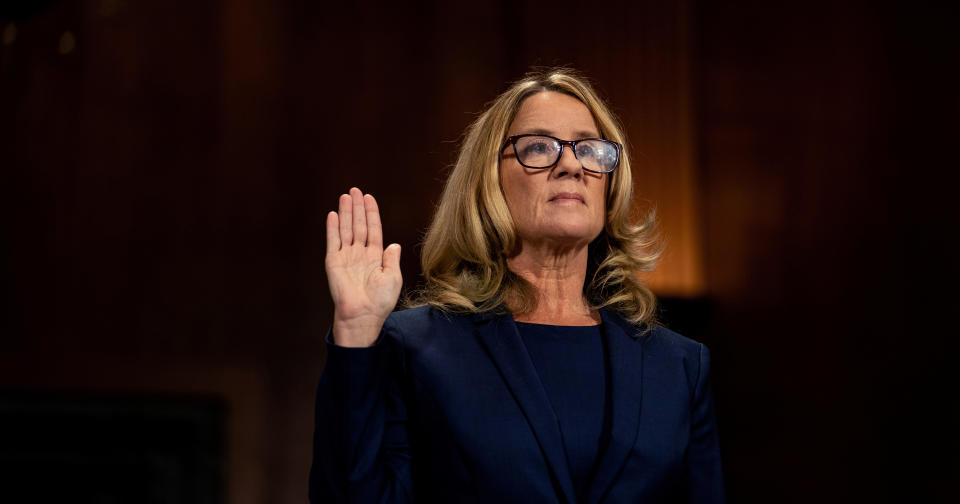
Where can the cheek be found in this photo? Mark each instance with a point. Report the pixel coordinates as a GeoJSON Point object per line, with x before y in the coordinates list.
{"type": "Point", "coordinates": [600, 196]}
{"type": "Point", "coordinates": [517, 190]}
{"type": "Point", "coordinates": [510, 190]}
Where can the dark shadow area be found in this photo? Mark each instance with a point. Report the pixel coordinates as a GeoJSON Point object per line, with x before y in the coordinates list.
{"type": "Point", "coordinates": [80, 448]}
{"type": "Point", "coordinates": [166, 169]}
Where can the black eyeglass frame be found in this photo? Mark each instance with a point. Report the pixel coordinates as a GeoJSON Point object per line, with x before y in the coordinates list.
{"type": "Point", "coordinates": [512, 140]}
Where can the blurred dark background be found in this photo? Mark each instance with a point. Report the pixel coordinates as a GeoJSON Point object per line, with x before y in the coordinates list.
{"type": "Point", "coordinates": [167, 166]}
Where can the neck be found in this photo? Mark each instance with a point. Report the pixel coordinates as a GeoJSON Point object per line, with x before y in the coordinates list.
{"type": "Point", "coordinates": [558, 276]}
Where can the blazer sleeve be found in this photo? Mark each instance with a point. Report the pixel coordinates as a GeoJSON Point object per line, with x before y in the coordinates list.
{"type": "Point", "coordinates": [360, 448]}
{"type": "Point", "coordinates": [705, 475]}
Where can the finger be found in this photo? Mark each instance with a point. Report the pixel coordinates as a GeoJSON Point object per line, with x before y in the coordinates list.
{"type": "Point", "coordinates": [391, 258]}
{"type": "Point", "coordinates": [374, 230]}
{"type": "Point", "coordinates": [346, 220]}
{"type": "Point", "coordinates": [333, 233]}
{"type": "Point", "coordinates": [359, 217]}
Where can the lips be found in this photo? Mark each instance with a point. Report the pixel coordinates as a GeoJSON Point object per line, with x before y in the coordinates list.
{"type": "Point", "coordinates": [567, 196]}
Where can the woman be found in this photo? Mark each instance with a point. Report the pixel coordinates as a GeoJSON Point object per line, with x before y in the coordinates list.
{"type": "Point", "coordinates": [531, 370]}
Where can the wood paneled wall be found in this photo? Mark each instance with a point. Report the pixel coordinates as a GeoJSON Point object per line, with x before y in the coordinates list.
{"type": "Point", "coordinates": [167, 168]}
{"type": "Point", "coordinates": [829, 249]}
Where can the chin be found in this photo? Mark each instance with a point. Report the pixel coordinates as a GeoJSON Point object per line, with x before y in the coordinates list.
{"type": "Point", "coordinates": [572, 234]}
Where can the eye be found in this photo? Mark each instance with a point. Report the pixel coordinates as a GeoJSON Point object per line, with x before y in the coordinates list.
{"type": "Point", "coordinates": [586, 150]}
{"type": "Point", "coordinates": [537, 147]}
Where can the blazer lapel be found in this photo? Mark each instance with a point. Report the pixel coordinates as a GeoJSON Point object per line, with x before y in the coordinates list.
{"type": "Point", "coordinates": [625, 382]}
{"type": "Point", "coordinates": [501, 338]}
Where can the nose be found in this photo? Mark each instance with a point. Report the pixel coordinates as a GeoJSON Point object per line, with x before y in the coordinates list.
{"type": "Point", "coordinates": [568, 164]}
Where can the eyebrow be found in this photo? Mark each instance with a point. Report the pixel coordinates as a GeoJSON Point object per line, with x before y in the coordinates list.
{"type": "Point", "coordinates": [577, 135]}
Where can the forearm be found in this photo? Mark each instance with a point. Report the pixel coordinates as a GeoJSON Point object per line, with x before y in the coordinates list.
{"type": "Point", "coordinates": [360, 447]}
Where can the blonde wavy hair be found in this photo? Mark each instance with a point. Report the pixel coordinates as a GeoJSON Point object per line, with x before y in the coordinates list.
{"type": "Point", "coordinates": [472, 233]}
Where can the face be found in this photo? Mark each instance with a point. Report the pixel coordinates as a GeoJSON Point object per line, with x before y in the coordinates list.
{"type": "Point", "coordinates": [562, 205]}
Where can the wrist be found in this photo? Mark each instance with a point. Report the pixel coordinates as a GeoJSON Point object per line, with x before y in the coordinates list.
{"type": "Point", "coordinates": [356, 333]}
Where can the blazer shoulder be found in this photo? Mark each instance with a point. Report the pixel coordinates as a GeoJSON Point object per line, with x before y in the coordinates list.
{"type": "Point", "coordinates": [667, 346]}
{"type": "Point", "coordinates": [408, 317]}
{"type": "Point", "coordinates": [656, 339]}
{"type": "Point", "coordinates": [419, 316]}
{"type": "Point", "coordinates": [669, 340]}
{"type": "Point", "coordinates": [415, 324]}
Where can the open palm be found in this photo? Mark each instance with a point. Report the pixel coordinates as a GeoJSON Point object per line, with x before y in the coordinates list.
{"type": "Point", "coordinates": [364, 277]}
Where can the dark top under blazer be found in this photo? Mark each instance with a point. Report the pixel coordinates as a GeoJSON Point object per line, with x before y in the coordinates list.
{"type": "Point", "coordinates": [449, 408]}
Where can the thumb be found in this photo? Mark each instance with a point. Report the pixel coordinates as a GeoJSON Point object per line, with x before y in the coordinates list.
{"type": "Point", "coordinates": [391, 257]}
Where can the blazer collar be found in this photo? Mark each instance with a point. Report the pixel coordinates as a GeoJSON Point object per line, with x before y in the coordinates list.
{"type": "Point", "coordinates": [502, 340]}
{"type": "Point", "coordinates": [625, 353]}
{"type": "Point", "coordinates": [499, 334]}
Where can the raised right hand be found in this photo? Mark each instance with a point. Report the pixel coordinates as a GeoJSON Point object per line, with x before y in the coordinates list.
{"type": "Point", "coordinates": [364, 278]}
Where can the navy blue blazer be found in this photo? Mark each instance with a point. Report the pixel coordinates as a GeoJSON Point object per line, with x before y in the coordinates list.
{"type": "Point", "coordinates": [449, 408]}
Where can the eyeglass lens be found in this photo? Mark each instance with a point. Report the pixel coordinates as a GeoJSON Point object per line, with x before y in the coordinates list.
{"type": "Point", "coordinates": [543, 151]}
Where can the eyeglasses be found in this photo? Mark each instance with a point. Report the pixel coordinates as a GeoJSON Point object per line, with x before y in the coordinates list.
{"type": "Point", "coordinates": [543, 151]}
